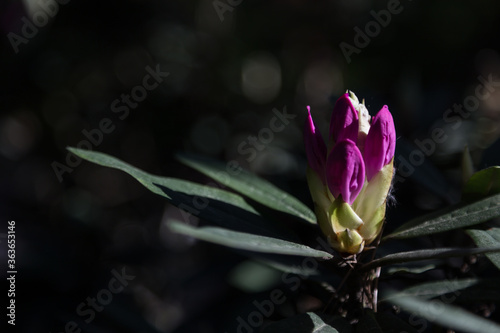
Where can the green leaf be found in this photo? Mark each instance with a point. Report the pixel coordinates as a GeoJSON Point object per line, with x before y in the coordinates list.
{"type": "Point", "coordinates": [446, 315]}
{"type": "Point", "coordinates": [397, 258]}
{"type": "Point", "coordinates": [310, 322]}
{"type": "Point", "coordinates": [298, 268]}
{"type": "Point", "coordinates": [433, 289]}
{"type": "Point", "coordinates": [250, 185]}
{"type": "Point", "coordinates": [151, 182]}
{"type": "Point", "coordinates": [458, 291]}
{"type": "Point", "coordinates": [487, 238]}
{"type": "Point", "coordinates": [410, 270]}
{"type": "Point", "coordinates": [248, 242]}
{"type": "Point", "coordinates": [212, 204]}
{"type": "Point", "coordinates": [482, 184]}
{"type": "Point", "coordinates": [449, 219]}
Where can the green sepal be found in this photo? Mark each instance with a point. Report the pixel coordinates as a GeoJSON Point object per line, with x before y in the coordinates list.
{"type": "Point", "coordinates": [317, 189]}
{"type": "Point", "coordinates": [374, 193]}
{"type": "Point", "coordinates": [349, 241]}
{"type": "Point", "coordinates": [372, 226]}
{"type": "Point", "coordinates": [343, 217]}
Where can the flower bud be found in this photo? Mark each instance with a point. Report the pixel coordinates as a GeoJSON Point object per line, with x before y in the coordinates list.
{"type": "Point", "coordinates": [350, 181]}
{"type": "Point", "coordinates": [380, 143]}
{"type": "Point", "coordinates": [344, 123]}
{"type": "Point", "coordinates": [345, 171]}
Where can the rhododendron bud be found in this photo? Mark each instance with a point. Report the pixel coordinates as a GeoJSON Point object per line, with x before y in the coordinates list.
{"type": "Point", "coordinates": [344, 123]}
{"type": "Point", "coordinates": [380, 142]}
{"type": "Point", "coordinates": [350, 181]}
{"type": "Point", "coordinates": [345, 171]}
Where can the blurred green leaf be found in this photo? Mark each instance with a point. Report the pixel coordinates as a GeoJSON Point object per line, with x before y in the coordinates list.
{"type": "Point", "coordinates": [482, 184]}
{"type": "Point", "coordinates": [487, 238]}
{"type": "Point", "coordinates": [427, 254]}
{"type": "Point", "coordinates": [310, 322]}
{"type": "Point", "coordinates": [433, 289]}
{"type": "Point", "coordinates": [446, 315]}
{"type": "Point", "coordinates": [449, 219]}
{"type": "Point", "coordinates": [245, 241]}
{"type": "Point", "coordinates": [253, 277]}
{"type": "Point", "coordinates": [250, 185]}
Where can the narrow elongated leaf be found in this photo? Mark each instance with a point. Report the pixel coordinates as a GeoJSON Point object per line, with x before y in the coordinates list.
{"type": "Point", "coordinates": [251, 186]}
{"type": "Point", "coordinates": [298, 269]}
{"type": "Point", "coordinates": [463, 291]}
{"type": "Point", "coordinates": [410, 270]}
{"type": "Point", "coordinates": [397, 258]}
{"type": "Point", "coordinates": [482, 184]}
{"type": "Point", "coordinates": [446, 315]}
{"type": "Point", "coordinates": [450, 218]}
{"type": "Point", "coordinates": [248, 242]}
{"type": "Point", "coordinates": [215, 205]}
{"type": "Point", "coordinates": [487, 238]}
{"type": "Point", "coordinates": [310, 322]}
{"type": "Point", "coordinates": [153, 183]}
{"type": "Point", "coordinates": [433, 289]}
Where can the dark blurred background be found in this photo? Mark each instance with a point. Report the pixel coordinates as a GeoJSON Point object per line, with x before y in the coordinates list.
{"type": "Point", "coordinates": [229, 64]}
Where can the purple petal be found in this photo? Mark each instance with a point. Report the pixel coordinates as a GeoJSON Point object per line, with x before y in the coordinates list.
{"type": "Point", "coordinates": [380, 142]}
{"type": "Point", "coordinates": [344, 123]}
{"type": "Point", "coordinates": [315, 147]}
{"type": "Point", "coordinates": [345, 171]}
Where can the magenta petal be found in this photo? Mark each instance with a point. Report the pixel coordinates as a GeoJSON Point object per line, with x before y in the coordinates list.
{"type": "Point", "coordinates": [315, 147]}
{"type": "Point", "coordinates": [380, 142]}
{"type": "Point", "coordinates": [344, 123]}
{"type": "Point", "coordinates": [345, 171]}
